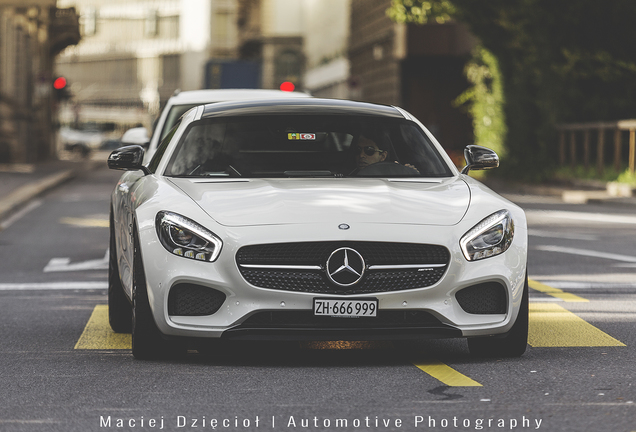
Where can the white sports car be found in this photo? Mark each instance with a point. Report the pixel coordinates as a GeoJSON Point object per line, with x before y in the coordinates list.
{"type": "Point", "coordinates": [311, 219]}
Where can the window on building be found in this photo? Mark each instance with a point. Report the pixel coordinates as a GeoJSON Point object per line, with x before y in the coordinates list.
{"type": "Point", "coordinates": [288, 65]}
{"type": "Point", "coordinates": [222, 26]}
{"type": "Point", "coordinates": [89, 21]}
{"type": "Point", "coordinates": [151, 23]}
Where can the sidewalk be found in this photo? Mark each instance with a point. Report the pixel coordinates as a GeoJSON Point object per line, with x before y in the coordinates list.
{"type": "Point", "coordinates": [573, 193]}
{"type": "Point", "coordinates": [20, 183]}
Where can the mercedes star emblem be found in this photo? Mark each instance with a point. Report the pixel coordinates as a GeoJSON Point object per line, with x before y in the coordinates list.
{"type": "Point", "coordinates": [345, 267]}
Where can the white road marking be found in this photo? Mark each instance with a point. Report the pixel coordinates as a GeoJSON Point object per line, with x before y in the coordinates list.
{"type": "Point", "coordinates": [53, 286]}
{"type": "Point", "coordinates": [544, 299]}
{"type": "Point", "coordinates": [586, 252]}
{"type": "Point", "coordinates": [588, 285]}
{"type": "Point", "coordinates": [64, 264]}
{"type": "Point", "coordinates": [561, 235]}
{"type": "Point", "coordinates": [581, 216]}
{"type": "Point", "coordinates": [20, 214]}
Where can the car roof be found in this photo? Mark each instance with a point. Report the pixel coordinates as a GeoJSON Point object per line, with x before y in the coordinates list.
{"type": "Point", "coordinates": [220, 95]}
{"type": "Point", "coordinates": [295, 106]}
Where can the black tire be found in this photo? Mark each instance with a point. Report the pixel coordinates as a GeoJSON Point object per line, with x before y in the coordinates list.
{"type": "Point", "coordinates": [119, 307]}
{"type": "Point", "coordinates": [513, 344]}
{"type": "Point", "coordinates": [147, 340]}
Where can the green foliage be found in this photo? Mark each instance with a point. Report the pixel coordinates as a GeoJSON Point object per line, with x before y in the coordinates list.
{"type": "Point", "coordinates": [420, 11]}
{"type": "Point", "coordinates": [627, 177]}
{"type": "Point", "coordinates": [609, 174]}
{"type": "Point", "coordinates": [484, 100]}
{"type": "Point", "coordinates": [560, 61]}
{"type": "Point", "coordinates": [565, 173]}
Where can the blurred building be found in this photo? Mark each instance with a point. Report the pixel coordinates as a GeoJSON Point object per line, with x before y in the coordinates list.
{"type": "Point", "coordinates": [271, 35]}
{"type": "Point", "coordinates": [417, 67]}
{"type": "Point", "coordinates": [32, 32]}
{"type": "Point", "coordinates": [135, 53]}
{"type": "Point", "coordinates": [326, 33]}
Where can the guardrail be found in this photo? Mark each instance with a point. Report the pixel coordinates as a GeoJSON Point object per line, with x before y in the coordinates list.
{"type": "Point", "coordinates": [599, 130]}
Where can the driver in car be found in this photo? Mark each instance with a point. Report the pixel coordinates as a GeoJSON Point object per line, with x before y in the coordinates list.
{"type": "Point", "coordinates": [368, 152]}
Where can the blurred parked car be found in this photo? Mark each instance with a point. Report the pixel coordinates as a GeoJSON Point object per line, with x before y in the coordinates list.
{"type": "Point", "coordinates": [80, 142]}
{"type": "Point", "coordinates": [136, 136]}
{"type": "Point", "coordinates": [110, 144]}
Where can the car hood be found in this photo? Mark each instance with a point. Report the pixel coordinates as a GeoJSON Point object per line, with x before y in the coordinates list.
{"type": "Point", "coordinates": [246, 202]}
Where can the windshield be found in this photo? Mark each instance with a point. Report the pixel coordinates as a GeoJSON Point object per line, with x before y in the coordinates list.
{"type": "Point", "coordinates": [173, 116]}
{"type": "Point", "coordinates": [305, 146]}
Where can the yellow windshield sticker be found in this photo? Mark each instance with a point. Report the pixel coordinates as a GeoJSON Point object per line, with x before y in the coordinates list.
{"type": "Point", "coordinates": [301, 136]}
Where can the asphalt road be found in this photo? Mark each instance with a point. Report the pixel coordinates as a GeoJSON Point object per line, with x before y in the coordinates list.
{"type": "Point", "coordinates": [61, 370]}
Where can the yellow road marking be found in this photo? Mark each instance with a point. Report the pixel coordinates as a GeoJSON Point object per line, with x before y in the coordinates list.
{"type": "Point", "coordinates": [555, 292]}
{"type": "Point", "coordinates": [98, 334]}
{"type": "Point", "coordinates": [446, 374]}
{"type": "Point", "coordinates": [551, 325]}
{"type": "Point", "coordinates": [99, 223]}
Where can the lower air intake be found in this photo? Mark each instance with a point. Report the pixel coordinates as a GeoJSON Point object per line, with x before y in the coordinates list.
{"type": "Point", "coordinates": [194, 300]}
{"type": "Point", "coordinates": [485, 298]}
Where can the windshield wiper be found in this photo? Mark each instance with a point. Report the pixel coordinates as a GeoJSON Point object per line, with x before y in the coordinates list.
{"type": "Point", "coordinates": [309, 173]}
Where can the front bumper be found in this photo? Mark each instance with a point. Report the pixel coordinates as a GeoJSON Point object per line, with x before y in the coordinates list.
{"type": "Point", "coordinates": [235, 318]}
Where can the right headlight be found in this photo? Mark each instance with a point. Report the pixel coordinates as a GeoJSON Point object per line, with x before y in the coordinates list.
{"type": "Point", "coordinates": [184, 237]}
{"type": "Point", "coordinates": [490, 237]}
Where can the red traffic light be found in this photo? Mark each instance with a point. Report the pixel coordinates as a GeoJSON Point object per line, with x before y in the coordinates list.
{"type": "Point", "coordinates": [59, 83]}
{"type": "Point", "coordinates": [287, 86]}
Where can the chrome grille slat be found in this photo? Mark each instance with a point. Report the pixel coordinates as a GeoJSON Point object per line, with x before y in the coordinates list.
{"type": "Point", "coordinates": [300, 267]}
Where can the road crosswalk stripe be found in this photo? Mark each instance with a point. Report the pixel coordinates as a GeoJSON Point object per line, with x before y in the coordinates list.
{"type": "Point", "coordinates": [88, 285]}
{"type": "Point", "coordinates": [446, 374]}
{"type": "Point", "coordinates": [98, 334]}
{"type": "Point", "coordinates": [85, 222]}
{"type": "Point", "coordinates": [551, 325]}
{"type": "Point", "coordinates": [555, 292]}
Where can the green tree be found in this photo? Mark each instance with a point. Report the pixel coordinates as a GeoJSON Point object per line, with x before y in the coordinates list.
{"type": "Point", "coordinates": [560, 61]}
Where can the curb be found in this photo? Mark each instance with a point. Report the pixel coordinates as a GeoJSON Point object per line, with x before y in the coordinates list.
{"type": "Point", "coordinates": [567, 195]}
{"type": "Point", "coordinates": [26, 193]}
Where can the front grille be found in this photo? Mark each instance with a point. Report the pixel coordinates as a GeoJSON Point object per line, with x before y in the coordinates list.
{"type": "Point", "coordinates": [306, 319]}
{"type": "Point", "coordinates": [485, 298]}
{"type": "Point", "coordinates": [379, 281]}
{"type": "Point", "coordinates": [194, 300]}
{"type": "Point", "coordinates": [316, 254]}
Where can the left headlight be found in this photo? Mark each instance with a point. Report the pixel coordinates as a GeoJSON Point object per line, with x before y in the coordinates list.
{"type": "Point", "coordinates": [490, 237]}
{"type": "Point", "coordinates": [184, 237]}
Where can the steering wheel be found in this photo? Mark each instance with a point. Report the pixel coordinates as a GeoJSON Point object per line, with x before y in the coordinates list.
{"type": "Point", "coordinates": [382, 169]}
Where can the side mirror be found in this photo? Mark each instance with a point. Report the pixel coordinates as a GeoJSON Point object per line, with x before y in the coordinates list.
{"type": "Point", "coordinates": [136, 136]}
{"type": "Point", "coordinates": [479, 158]}
{"type": "Point", "coordinates": [129, 158]}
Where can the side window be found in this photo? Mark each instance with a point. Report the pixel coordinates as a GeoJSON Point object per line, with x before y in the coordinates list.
{"type": "Point", "coordinates": [156, 158]}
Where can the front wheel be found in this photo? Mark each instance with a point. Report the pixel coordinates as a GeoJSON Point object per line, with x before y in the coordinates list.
{"type": "Point", "coordinates": [119, 309]}
{"type": "Point", "coordinates": [513, 344]}
{"type": "Point", "coordinates": [147, 341]}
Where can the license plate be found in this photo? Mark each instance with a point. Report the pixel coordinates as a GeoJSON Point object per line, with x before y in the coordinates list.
{"type": "Point", "coordinates": [345, 308]}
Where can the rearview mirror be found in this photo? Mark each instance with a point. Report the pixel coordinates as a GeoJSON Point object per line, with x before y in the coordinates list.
{"type": "Point", "coordinates": [479, 158]}
{"type": "Point", "coordinates": [129, 158]}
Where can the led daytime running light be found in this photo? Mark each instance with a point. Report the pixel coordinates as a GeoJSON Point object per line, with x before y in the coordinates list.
{"type": "Point", "coordinates": [186, 238]}
{"type": "Point", "coordinates": [490, 237]}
